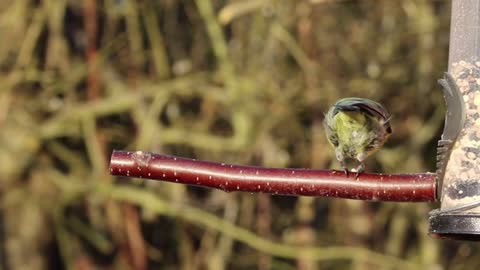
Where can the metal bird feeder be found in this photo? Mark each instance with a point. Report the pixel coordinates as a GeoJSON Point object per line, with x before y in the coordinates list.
{"type": "Point", "coordinates": [459, 148]}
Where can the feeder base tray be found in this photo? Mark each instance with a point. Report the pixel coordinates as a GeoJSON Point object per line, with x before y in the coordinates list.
{"type": "Point", "coordinates": [459, 226]}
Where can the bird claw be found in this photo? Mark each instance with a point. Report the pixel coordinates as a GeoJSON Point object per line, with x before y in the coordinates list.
{"type": "Point", "coordinates": [344, 167]}
{"type": "Point", "coordinates": [359, 170]}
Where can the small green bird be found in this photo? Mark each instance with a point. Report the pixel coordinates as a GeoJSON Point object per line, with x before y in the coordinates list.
{"type": "Point", "coordinates": [356, 128]}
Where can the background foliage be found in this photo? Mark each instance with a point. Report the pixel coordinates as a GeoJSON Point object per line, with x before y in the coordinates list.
{"type": "Point", "coordinates": [242, 82]}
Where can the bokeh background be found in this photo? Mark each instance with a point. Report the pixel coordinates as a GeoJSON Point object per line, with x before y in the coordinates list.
{"type": "Point", "coordinates": [244, 82]}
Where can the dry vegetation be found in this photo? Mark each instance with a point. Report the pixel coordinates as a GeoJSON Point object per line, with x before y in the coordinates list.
{"type": "Point", "coordinates": [244, 82]}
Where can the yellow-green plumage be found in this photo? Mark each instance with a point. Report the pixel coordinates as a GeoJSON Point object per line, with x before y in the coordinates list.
{"type": "Point", "coordinates": [356, 128]}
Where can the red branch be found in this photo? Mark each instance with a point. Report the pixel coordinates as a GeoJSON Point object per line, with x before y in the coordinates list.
{"type": "Point", "coordinates": [284, 181]}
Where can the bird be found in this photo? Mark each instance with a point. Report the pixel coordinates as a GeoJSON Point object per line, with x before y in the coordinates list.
{"type": "Point", "coordinates": [356, 128]}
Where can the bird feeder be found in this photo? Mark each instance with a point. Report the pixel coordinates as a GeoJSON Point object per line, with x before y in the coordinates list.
{"type": "Point", "coordinates": [459, 148]}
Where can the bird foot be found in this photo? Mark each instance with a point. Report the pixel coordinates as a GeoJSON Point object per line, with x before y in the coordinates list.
{"type": "Point", "coordinates": [359, 170]}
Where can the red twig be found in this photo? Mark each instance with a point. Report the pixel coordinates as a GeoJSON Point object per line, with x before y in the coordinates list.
{"type": "Point", "coordinates": [305, 182]}
{"type": "Point", "coordinates": [137, 246]}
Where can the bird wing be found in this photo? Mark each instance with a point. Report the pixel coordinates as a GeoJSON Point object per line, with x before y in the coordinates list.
{"type": "Point", "coordinates": [330, 127]}
{"type": "Point", "coordinates": [370, 107]}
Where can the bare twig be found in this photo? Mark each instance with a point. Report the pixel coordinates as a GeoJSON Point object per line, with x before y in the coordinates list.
{"type": "Point", "coordinates": [91, 29]}
{"type": "Point", "coordinates": [305, 182]}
